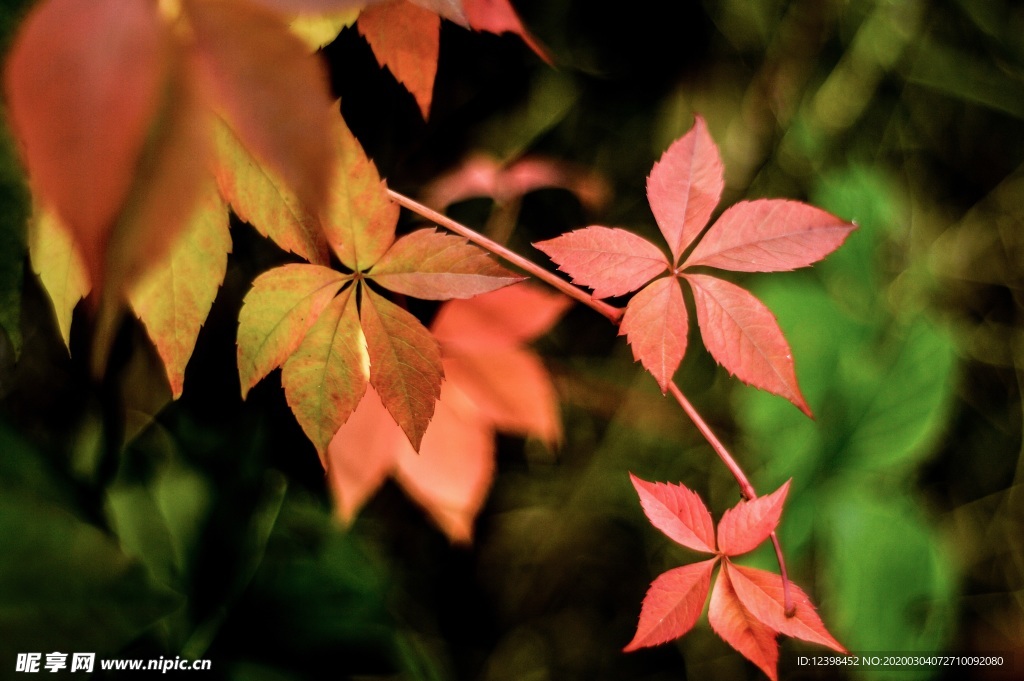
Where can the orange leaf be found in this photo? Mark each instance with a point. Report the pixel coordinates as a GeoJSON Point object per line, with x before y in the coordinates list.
{"type": "Point", "coordinates": [84, 81]}
{"type": "Point", "coordinates": [407, 40]}
{"type": "Point", "coordinates": [276, 314]}
{"type": "Point", "coordinates": [173, 299]}
{"type": "Point", "coordinates": [271, 91]}
{"type": "Point", "coordinates": [325, 378]}
{"type": "Point", "coordinates": [739, 628]}
{"type": "Point", "coordinates": [405, 363]}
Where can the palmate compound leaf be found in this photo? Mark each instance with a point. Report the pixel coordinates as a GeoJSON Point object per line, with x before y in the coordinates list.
{"type": "Point", "coordinates": [405, 363]}
{"type": "Point", "coordinates": [738, 627]}
{"type": "Point", "coordinates": [656, 324]}
{"type": "Point", "coordinates": [611, 261]}
{"type": "Point", "coordinates": [174, 297]}
{"type": "Point", "coordinates": [434, 265]}
{"type": "Point", "coordinates": [744, 337]}
{"type": "Point", "coordinates": [673, 604]}
{"type": "Point", "coordinates": [405, 38]}
{"type": "Point", "coordinates": [678, 512]}
{"type": "Point", "coordinates": [750, 522]}
{"type": "Point", "coordinates": [325, 378]}
{"type": "Point", "coordinates": [276, 314]}
{"type": "Point", "coordinates": [83, 83]}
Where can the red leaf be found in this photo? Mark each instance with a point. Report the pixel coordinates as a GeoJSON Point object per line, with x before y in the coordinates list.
{"type": "Point", "coordinates": [276, 314]}
{"type": "Point", "coordinates": [655, 323]}
{"type": "Point", "coordinates": [498, 16]}
{"type": "Point", "coordinates": [407, 40]}
{"type": "Point", "coordinates": [769, 236]}
{"type": "Point", "coordinates": [449, 9]}
{"type": "Point", "coordinates": [613, 262]}
{"type": "Point", "coordinates": [678, 512]}
{"type": "Point", "coordinates": [672, 604]}
{"type": "Point", "coordinates": [747, 524]}
{"type": "Point", "coordinates": [273, 94]}
{"type": "Point", "coordinates": [739, 628]}
{"type": "Point", "coordinates": [434, 265]}
{"type": "Point", "coordinates": [324, 379]}
{"type": "Point", "coordinates": [743, 336]}
{"type": "Point", "coordinates": [684, 187]}
{"type": "Point", "coordinates": [761, 593]}
{"type": "Point", "coordinates": [505, 318]}
{"type": "Point", "coordinates": [83, 83]}
{"type": "Point", "coordinates": [405, 363]}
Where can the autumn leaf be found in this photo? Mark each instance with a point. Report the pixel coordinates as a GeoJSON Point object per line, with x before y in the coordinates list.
{"type": "Point", "coordinates": [673, 604]}
{"type": "Point", "coordinates": [433, 265]}
{"type": "Point", "coordinates": [678, 512]}
{"type": "Point", "coordinates": [324, 379]}
{"type": "Point", "coordinates": [498, 16]}
{"type": "Point", "coordinates": [747, 605]}
{"type": "Point", "coordinates": [738, 627]}
{"type": "Point", "coordinates": [765, 235]}
{"type": "Point", "coordinates": [451, 474]}
{"type": "Point", "coordinates": [406, 39]}
{"type": "Point", "coordinates": [656, 325]}
{"type": "Point", "coordinates": [56, 260]}
{"type": "Point", "coordinates": [174, 298]}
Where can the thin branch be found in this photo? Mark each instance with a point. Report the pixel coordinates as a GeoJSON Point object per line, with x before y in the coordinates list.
{"type": "Point", "coordinates": [614, 315]}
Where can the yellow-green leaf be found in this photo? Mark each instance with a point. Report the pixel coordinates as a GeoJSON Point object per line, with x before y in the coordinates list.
{"type": "Point", "coordinates": [174, 298]}
{"type": "Point", "coordinates": [325, 378]}
{"type": "Point", "coordinates": [318, 30]}
{"type": "Point", "coordinates": [276, 314]}
{"type": "Point", "coordinates": [60, 267]}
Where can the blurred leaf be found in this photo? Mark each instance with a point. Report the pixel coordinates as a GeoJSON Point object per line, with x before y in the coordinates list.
{"type": "Point", "coordinates": [14, 202]}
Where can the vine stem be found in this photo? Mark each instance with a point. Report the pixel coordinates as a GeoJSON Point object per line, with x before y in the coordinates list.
{"type": "Point", "coordinates": [614, 315]}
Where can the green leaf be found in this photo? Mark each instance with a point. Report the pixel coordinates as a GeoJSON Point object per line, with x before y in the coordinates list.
{"type": "Point", "coordinates": [405, 364]}
{"type": "Point", "coordinates": [326, 376]}
{"type": "Point", "coordinates": [276, 314]}
{"type": "Point", "coordinates": [433, 265]}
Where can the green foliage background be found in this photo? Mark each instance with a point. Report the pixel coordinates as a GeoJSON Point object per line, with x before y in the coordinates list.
{"type": "Point", "coordinates": [136, 528]}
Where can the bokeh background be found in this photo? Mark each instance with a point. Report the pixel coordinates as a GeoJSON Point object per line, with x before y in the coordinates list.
{"type": "Point", "coordinates": [211, 534]}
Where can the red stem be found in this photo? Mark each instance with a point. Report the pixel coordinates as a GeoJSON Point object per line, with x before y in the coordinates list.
{"type": "Point", "coordinates": [614, 315]}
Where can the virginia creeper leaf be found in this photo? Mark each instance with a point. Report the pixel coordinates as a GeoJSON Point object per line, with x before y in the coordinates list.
{"type": "Point", "coordinates": [55, 258]}
{"type": "Point", "coordinates": [498, 16]}
{"type": "Point", "coordinates": [325, 378]}
{"type": "Point", "coordinates": [433, 265]}
{"type": "Point", "coordinates": [276, 314]}
{"type": "Point", "coordinates": [761, 593]}
{"type": "Point", "coordinates": [744, 526]}
{"type": "Point", "coordinates": [769, 235]}
{"type": "Point", "coordinates": [743, 336]}
{"type": "Point", "coordinates": [173, 299]}
{"type": "Point", "coordinates": [360, 219]}
{"type": "Point", "coordinates": [678, 512]}
{"type": "Point", "coordinates": [611, 261]}
{"type": "Point", "coordinates": [407, 40]}
{"type": "Point", "coordinates": [272, 93]}
{"type": "Point", "coordinates": [83, 83]}
{"type": "Point", "coordinates": [655, 323]}
{"type": "Point", "coordinates": [509, 387]}
{"type": "Point", "coordinates": [405, 363]}
{"type": "Point", "coordinates": [739, 628]}
{"type": "Point", "coordinates": [505, 318]}
{"type": "Point", "coordinates": [684, 187]}
{"type": "Point", "coordinates": [673, 604]}
{"type": "Point", "coordinates": [260, 197]}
